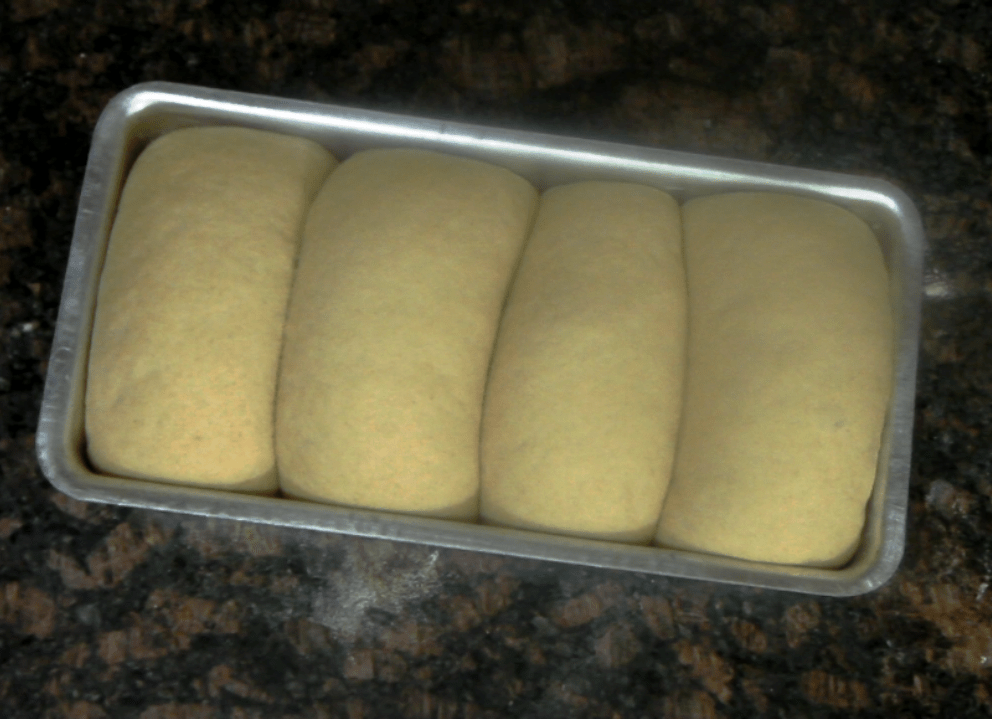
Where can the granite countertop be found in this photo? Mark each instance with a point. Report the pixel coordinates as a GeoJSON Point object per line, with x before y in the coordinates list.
{"type": "Point", "coordinates": [108, 612]}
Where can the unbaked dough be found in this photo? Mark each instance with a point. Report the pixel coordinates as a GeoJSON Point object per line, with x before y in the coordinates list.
{"type": "Point", "coordinates": [582, 407]}
{"type": "Point", "coordinates": [404, 268]}
{"type": "Point", "coordinates": [185, 346]}
{"type": "Point", "coordinates": [790, 364]}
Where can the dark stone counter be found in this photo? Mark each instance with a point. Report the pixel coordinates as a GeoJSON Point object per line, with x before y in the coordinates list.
{"type": "Point", "coordinates": [107, 612]}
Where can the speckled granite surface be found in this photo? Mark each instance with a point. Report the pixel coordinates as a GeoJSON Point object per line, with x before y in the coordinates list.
{"type": "Point", "coordinates": [115, 613]}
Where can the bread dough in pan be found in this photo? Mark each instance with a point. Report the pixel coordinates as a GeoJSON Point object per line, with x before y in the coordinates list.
{"type": "Point", "coordinates": [404, 268]}
{"type": "Point", "coordinates": [789, 375]}
{"type": "Point", "coordinates": [187, 333]}
{"type": "Point", "coordinates": [582, 408]}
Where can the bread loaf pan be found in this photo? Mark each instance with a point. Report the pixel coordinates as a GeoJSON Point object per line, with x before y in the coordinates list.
{"type": "Point", "coordinates": [143, 112]}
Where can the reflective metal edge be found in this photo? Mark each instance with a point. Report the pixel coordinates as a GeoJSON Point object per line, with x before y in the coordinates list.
{"type": "Point", "coordinates": [145, 111]}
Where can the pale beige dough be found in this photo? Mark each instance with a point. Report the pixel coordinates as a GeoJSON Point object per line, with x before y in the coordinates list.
{"type": "Point", "coordinates": [790, 364]}
{"type": "Point", "coordinates": [404, 268]}
{"type": "Point", "coordinates": [185, 347]}
{"type": "Point", "coordinates": [582, 407]}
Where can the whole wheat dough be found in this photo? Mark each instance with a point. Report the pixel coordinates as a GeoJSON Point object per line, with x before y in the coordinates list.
{"type": "Point", "coordinates": [790, 363]}
{"type": "Point", "coordinates": [582, 407]}
{"type": "Point", "coordinates": [404, 267]}
{"type": "Point", "coordinates": [186, 338]}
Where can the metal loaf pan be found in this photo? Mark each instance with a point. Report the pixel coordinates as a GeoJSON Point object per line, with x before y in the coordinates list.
{"type": "Point", "coordinates": [143, 112]}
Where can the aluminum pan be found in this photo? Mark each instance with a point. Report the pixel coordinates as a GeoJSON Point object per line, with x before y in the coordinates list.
{"type": "Point", "coordinates": [143, 112]}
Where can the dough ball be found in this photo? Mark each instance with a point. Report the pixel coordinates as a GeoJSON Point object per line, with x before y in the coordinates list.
{"type": "Point", "coordinates": [582, 408]}
{"type": "Point", "coordinates": [789, 375]}
{"type": "Point", "coordinates": [188, 327]}
{"type": "Point", "coordinates": [404, 269]}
